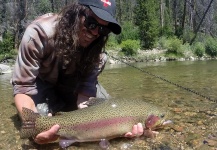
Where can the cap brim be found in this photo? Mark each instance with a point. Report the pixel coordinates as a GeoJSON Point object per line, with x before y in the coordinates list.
{"type": "Point", "coordinates": [104, 15]}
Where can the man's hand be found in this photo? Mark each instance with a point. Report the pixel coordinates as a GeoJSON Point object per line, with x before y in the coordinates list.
{"type": "Point", "coordinates": [136, 131]}
{"type": "Point", "coordinates": [82, 105]}
{"type": "Point", "coordinates": [82, 99]}
{"type": "Point", "coordinates": [47, 136]}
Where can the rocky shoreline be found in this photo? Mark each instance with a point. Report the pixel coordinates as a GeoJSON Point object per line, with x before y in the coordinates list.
{"type": "Point", "coordinates": [154, 55]}
{"type": "Point", "coordinates": [5, 69]}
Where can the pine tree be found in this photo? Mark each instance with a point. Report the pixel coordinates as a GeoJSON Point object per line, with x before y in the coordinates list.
{"type": "Point", "coordinates": [167, 27]}
{"type": "Point", "coordinates": [147, 19]}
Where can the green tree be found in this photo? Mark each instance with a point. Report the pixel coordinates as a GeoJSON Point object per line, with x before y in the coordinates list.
{"type": "Point", "coordinates": [7, 45]}
{"type": "Point", "coordinates": [211, 47]}
{"type": "Point", "coordinates": [147, 19]}
{"type": "Point", "coordinates": [44, 6]}
{"type": "Point", "coordinates": [129, 32]}
{"type": "Point", "coordinates": [167, 25]}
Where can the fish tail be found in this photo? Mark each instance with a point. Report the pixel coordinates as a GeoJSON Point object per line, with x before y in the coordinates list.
{"type": "Point", "coordinates": [28, 123]}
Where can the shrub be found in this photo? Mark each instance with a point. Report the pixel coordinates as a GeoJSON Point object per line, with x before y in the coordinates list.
{"type": "Point", "coordinates": [7, 45]}
{"type": "Point", "coordinates": [187, 35]}
{"type": "Point", "coordinates": [186, 50]}
{"type": "Point", "coordinates": [199, 49]}
{"type": "Point", "coordinates": [130, 47]}
{"type": "Point", "coordinates": [112, 42]}
{"type": "Point", "coordinates": [211, 47]}
{"type": "Point", "coordinates": [162, 42]}
{"type": "Point", "coordinates": [174, 47]}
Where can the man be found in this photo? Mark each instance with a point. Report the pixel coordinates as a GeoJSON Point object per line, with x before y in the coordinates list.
{"type": "Point", "coordinates": [59, 59]}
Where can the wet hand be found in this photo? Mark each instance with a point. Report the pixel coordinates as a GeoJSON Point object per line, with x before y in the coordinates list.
{"type": "Point", "coordinates": [137, 130]}
{"type": "Point", "coordinates": [82, 105]}
{"type": "Point", "coordinates": [81, 101]}
{"type": "Point", "coordinates": [47, 136]}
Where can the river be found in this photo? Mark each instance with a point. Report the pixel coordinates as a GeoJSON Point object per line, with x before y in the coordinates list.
{"type": "Point", "coordinates": [194, 120]}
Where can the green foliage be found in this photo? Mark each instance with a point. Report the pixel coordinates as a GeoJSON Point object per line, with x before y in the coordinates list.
{"type": "Point", "coordinates": [7, 45]}
{"type": "Point", "coordinates": [167, 29]}
{"type": "Point", "coordinates": [130, 47]}
{"type": "Point", "coordinates": [199, 49]}
{"type": "Point", "coordinates": [112, 42]}
{"type": "Point", "coordinates": [186, 50]}
{"type": "Point", "coordinates": [211, 47]}
{"type": "Point", "coordinates": [188, 35]}
{"type": "Point", "coordinates": [174, 47]}
{"type": "Point", "coordinates": [162, 43]}
{"type": "Point", "coordinates": [43, 6]}
{"type": "Point", "coordinates": [129, 32]}
{"type": "Point", "coordinates": [147, 19]}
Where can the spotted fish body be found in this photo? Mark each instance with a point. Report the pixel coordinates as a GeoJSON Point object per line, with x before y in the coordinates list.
{"type": "Point", "coordinates": [106, 120]}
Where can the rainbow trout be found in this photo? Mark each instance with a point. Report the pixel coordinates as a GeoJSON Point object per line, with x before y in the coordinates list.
{"type": "Point", "coordinates": [105, 120]}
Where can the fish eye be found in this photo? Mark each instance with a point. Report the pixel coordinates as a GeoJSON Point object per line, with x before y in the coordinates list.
{"type": "Point", "coordinates": [162, 115]}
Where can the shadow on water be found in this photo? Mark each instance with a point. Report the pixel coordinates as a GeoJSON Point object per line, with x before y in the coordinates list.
{"type": "Point", "coordinates": [31, 145]}
{"type": "Point", "coordinates": [17, 121]}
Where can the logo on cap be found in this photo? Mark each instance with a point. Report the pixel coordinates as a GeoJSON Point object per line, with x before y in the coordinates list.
{"type": "Point", "coordinates": [106, 3]}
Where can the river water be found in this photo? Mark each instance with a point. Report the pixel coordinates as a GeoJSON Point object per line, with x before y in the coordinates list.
{"type": "Point", "coordinates": [194, 117]}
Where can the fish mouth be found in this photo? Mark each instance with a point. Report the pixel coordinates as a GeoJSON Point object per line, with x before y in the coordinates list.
{"type": "Point", "coordinates": [155, 122]}
{"type": "Point", "coordinates": [166, 122]}
{"type": "Point", "coordinates": [163, 123]}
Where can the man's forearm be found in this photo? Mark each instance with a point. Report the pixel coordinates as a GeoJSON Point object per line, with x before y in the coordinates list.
{"type": "Point", "coordinates": [23, 100]}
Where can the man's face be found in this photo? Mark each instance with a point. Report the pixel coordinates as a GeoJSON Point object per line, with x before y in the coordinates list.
{"type": "Point", "coordinates": [87, 36]}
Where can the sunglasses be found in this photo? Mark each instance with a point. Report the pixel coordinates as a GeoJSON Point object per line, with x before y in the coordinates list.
{"type": "Point", "coordinates": [91, 24]}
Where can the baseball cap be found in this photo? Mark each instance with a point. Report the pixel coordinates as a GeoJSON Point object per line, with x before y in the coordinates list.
{"type": "Point", "coordinates": [105, 10]}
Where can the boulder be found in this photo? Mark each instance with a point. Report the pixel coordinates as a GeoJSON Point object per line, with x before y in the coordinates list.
{"type": "Point", "coordinates": [5, 69]}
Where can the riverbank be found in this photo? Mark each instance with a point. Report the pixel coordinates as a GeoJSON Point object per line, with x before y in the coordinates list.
{"type": "Point", "coordinates": [154, 55]}
{"type": "Point", "coordinates": [6, 65]}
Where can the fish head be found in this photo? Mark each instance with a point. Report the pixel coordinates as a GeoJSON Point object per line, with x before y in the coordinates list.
{"type": "Point", "coordinates": [155, 121]}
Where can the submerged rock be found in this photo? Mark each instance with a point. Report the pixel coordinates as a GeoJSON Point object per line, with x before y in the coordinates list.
{"type": "Point", "coordinates": [5, 69]}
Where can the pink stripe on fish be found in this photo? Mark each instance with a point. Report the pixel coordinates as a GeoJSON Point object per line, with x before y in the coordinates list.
{"type": "Point", "coordinates": [102, 123]}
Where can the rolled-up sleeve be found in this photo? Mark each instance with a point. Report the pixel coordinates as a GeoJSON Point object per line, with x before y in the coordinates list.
{"type": "Point", "coordinates": [87, 86]}
{"type": "Point", "coordinates": [27, 65]}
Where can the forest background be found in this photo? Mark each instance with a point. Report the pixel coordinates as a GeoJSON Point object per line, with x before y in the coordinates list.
{"type": "Point", "coordinates": [178, 28]}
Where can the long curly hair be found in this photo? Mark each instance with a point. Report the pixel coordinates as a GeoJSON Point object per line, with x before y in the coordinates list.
{"type": "Point", "coordinates": [66, 40]}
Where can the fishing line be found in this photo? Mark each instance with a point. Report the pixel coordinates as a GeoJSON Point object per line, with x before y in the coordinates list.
{"type": "Point", "coordinates": [168, 81]}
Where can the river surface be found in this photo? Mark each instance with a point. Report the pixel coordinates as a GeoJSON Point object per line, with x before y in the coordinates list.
{"type": "Point", "coordinates": [194, 117]}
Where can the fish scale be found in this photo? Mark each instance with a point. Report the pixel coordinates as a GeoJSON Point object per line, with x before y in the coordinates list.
{"type": "Point", "coordinates": [106, 120]}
